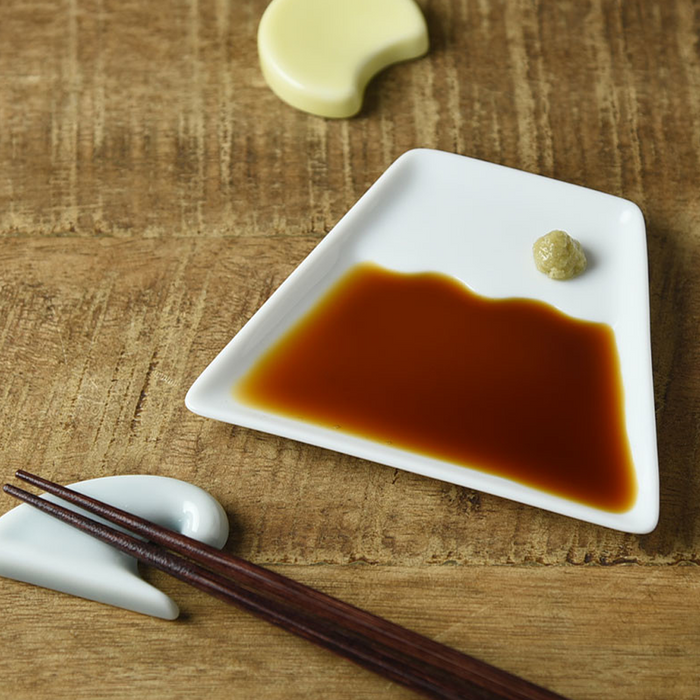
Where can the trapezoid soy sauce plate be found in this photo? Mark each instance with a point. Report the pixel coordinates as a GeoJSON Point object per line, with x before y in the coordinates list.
{"type": "Point", "coordinates": [475, 222]}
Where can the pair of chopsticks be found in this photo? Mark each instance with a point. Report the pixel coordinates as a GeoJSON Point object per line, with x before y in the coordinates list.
{"type": "Point", "coordinates": [370, 641]}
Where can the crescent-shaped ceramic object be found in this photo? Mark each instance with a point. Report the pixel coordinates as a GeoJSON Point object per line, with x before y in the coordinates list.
{"type": "Point", "coordinates": [36, 548]}
{"type": "Point", "coordinates": [319, 55]}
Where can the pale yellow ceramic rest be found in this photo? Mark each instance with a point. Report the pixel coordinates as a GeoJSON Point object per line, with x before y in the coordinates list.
{"type": "Point", "coordinates": [319, 55]}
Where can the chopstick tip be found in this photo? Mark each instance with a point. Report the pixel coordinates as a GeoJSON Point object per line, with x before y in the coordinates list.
{"type": "Point", "coordinates": [30, 478]}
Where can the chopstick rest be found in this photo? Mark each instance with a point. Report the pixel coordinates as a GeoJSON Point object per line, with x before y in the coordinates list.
{"type": "Point", "coordinates": [319, 55]}
{"type": "Point", "coordinates": [370, 641]}
{"type": "Point", "coordinates": [35, 550]}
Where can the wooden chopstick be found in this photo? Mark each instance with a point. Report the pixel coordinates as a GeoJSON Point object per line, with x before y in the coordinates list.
{"type": "Point", "coordinates": [371, 657]}
{"type": "Point", "coordinates": [399, 670]}
{"type": "Point", "coordinates": [263, 580]}
{"type": "Point", "coordinates": [367, 639]}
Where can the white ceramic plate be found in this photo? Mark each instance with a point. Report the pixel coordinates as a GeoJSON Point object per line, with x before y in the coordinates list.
{"type": "Point", "coordinates": [475, 221]}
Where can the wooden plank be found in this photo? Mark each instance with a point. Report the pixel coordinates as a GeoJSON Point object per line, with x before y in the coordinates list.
{"type": "Point", "coordinates": [130, 119]}
{"type": "Point", "coordinates": [587, 632]}
{"type": "Point", "coordinates": [102, 338]}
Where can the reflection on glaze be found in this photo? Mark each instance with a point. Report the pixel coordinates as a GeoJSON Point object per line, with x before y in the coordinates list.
{"type": "Point", "coordinates": [37, 549]}
{"type": "Point", "coordinates": [319, 55]}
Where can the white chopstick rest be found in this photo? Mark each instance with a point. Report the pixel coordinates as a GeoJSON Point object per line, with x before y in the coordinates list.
{"type": "Point", "coordinates": [36, 549]}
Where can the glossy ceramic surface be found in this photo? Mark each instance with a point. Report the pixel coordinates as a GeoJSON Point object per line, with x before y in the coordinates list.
{"type": "Point", "coordinates": [36, 548]}
{"type": "Point", "coordinates": [474, 221]}
{"type": "Point", "coordinates": [319, 55]}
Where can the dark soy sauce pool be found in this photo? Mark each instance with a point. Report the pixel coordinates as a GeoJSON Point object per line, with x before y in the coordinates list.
{"type": "Point", "coordinates": [512, 387]}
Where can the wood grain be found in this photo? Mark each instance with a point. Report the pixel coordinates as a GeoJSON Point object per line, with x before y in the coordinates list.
{"type": "Point", "coordinates": [154, 192]}
{"type": "Point", "coordinates": [103, 337]}
{"type": "Point", "coordinates": [566, 628]}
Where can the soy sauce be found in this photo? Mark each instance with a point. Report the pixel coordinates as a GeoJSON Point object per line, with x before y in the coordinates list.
{"type": "Point", "coordinates": [512, 387]}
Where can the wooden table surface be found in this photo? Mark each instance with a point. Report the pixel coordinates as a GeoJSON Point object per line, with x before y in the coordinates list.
{"type": "Point", "coordinates": [154, 192]}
